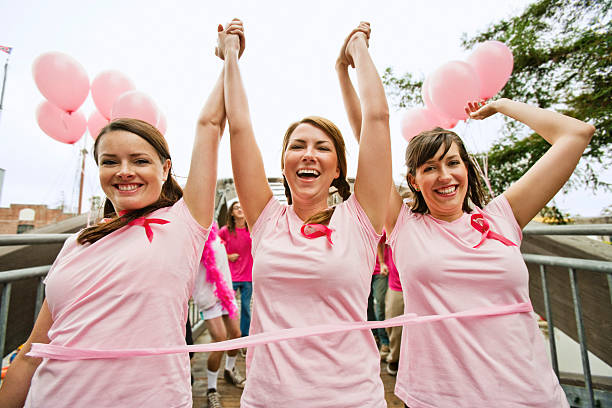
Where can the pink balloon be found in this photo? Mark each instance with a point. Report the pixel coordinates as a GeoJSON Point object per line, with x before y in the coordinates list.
{"type": "Point", "coordinates": [425, 94]}
{"type": "Point", "coordinates": [61, 79]}
{"type": "Point", "coordinates": [60, 125]}
{"type": "Point", "coordinates": [441, 120]}
{"type": "Point", "coordinates": [493, 62]}
{"type": "Point", "coordinates": [95, 123]}
{"type": "Point", "coordinates": [417, 120]}
{"type": "Point", "coordinates": [451, 87]}
{"type": "Point", "coordinates": [162, 125]}
{"type": "Point", "coordinates": [106, 87]}
{"type": "Point", "coordinates": [135, 105]}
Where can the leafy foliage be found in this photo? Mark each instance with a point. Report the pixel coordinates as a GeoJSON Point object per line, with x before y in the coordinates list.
{"type": "Point", "coordinates": [562, 60]}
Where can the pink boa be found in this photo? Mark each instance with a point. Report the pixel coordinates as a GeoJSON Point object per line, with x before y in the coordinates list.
{"type": "Point", "coordinates": [213, 275]}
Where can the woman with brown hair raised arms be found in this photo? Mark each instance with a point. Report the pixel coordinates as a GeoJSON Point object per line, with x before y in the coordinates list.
{"type": "Point", "coordinates": [312, 263]}
{"type": "Point", "coordinates": [456, 251]}
{"type": "Point", "coordinates": [125, 283]}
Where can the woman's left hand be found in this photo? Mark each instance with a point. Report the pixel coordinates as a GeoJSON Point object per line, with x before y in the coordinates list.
{"type": "Point", "coordinates": [481, 109]}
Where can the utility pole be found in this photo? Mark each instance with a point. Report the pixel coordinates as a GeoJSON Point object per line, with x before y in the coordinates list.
{"type": "Point", "coordinates": [83, 154]}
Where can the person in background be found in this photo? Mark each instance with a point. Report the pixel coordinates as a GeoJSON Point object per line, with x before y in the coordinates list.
{"type": "Point", "coordinates": [376, 300]}
{"type": "Point", "coordinates": [394, 306]}
{"type": "Point", "coordinates": [237, 240]}
{"type": "Point", "coordinates": [214, 297]}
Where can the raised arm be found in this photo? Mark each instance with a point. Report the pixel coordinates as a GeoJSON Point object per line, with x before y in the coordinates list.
{"type": "Point", "coordinates": [568, 137]}
{"type": "Point", "coordinates": [16, 385]}
{"type": "Point", "coordinates": [247, 164]}
{"type": "Point", "coordinates": [369, 119]}
{"type": "Point", "coordinates": [199, 191]}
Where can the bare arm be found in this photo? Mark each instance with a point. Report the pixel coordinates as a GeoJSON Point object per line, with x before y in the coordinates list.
{"type": "Point", "coordinates": [247, 164]}
{"type": "Point", "coordinates": [368, 115]}
{"type": "Point", "coordinates": [569, 138]}
{"type": "Point", "coordinates": [353, 110]}
{"type": "Point", "coordinates": [16, 385]}
{"type": "Point", "coordinates": [199, 192]}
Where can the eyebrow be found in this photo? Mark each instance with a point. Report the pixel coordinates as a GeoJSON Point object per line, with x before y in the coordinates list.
{"type": "Point", "coordinates": [131, 155]}
{"type": "Point", "coordinates": [454, 156]}
{"type": "Point", "coordinates": [318, 142]}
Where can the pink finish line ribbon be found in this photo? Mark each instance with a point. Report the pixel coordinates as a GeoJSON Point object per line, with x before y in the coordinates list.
{"type": "Point", "coordinates": [481, 224]}
{"type": "Point", "coordinates": [144, 222]}
{"type": "Point", "coordinates": [312, 231]}
{"type": "Point", "coordinates": [71, 353]}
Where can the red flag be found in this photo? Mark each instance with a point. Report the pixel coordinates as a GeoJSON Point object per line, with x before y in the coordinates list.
{"type": "Point", "coordinates": [6, 49]}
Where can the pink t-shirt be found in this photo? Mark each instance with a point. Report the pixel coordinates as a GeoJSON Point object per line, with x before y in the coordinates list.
{"type": "Point", "coordinates": [300, 282]}
{"type": "Point", "coordinates": [479, 362]}
{"type": "Point", "coordinates": [122, 292]}
{"type": "Point", "coordinates": [239, 242]}
{"type": "Point", "coordinates": [394, 280]}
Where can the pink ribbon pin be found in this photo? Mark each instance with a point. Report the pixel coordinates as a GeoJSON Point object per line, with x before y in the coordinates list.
{"type": "Point", "coordinates": [481, 224]}
{"type": "Point", "coordinates": [312, 231]}
{"type": "Point", "coordinates": [144, 222]}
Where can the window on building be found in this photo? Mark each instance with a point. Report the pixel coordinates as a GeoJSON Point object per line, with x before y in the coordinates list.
{"type": "Point", "coordinates": [21, 228]}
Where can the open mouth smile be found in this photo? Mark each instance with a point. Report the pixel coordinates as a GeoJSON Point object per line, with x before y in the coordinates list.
{"type": "Point", "coordinates": [127, 187]}
{"type": "Point", "coordinates": [308, 174]}
{"type": "Point", "coordinates": [447, 191]}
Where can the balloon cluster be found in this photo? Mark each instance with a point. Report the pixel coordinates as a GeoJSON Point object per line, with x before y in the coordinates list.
{"type": "Point", "coordinates": [65, 84]}
{"type": "Point", "coordinates": [448, 89]}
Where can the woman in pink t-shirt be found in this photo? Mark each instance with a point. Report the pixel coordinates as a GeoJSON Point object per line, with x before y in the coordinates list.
{"type": "Point", "coordinates": [490, 361]}
{"type": "Point", "coordinates": [455, 252]}
{"type": "Point", "coordinates": [237, 240]}
{"type": "Point", "coordinates": [312, 264]}
{"type": "Point", "coordinates": [126, 282]}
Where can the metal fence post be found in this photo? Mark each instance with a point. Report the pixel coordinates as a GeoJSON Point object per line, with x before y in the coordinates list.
{"type": "Point", "coordinates": [581, 336]}
{"type": "Point", "coordinates": [4, 308]}
{"type": "Point", "coordinates": [549, 319]}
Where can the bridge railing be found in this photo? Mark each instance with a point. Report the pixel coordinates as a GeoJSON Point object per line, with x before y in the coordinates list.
{"type": "Point", "coordinates": [578, 397]}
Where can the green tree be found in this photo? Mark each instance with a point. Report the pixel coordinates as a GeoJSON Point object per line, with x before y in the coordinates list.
{"type": "Point", "coordinates": [562, 60]}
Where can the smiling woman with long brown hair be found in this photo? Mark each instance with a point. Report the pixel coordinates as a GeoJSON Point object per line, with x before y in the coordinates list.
{"type": "Point", "coordinates": [126, 282]}
{"type": "Point", "coordinates": [312, 263]}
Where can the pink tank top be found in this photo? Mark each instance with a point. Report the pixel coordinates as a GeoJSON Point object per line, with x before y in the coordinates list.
{"type": "Point", "coordinates": [301, 282]}
{"type": "Point", "coordinates": [122, 292]}
{"type": "Point", "coordinates": [498, 361]}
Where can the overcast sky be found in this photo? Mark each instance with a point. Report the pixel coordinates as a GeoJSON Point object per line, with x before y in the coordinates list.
{"type": "Point", "coordinates": [166, 48]}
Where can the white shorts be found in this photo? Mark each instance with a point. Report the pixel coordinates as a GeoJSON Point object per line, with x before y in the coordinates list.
{"type": "Point", "coordinates": [215, 311]}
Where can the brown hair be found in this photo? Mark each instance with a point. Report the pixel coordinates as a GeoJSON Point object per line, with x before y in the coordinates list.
{"type": "Point", "coordinates": [341, 184]}
{"type": "Point", "coordinates": [231, 222]}
{"type": "Point", "coordinates": [171, 192]}
{"type": "Point", "coordinates": [423, 147]}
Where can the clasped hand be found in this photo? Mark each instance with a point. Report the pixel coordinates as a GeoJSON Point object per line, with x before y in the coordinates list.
{"type": "Point", "coordinates": [230, 38]}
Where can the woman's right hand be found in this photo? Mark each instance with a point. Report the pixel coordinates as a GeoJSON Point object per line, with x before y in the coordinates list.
{"type": "Point", "coordinates": [233, 257]}
{"type": "Point", "coordinates": [230, 38]}
{"type": "Point", "coordinates": [344, 59]}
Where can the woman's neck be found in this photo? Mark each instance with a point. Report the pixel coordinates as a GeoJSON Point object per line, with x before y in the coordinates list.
{"type": "Point", "coordinates": [240, 223]}
{"type": "Point", "coordinates": [306, 210]}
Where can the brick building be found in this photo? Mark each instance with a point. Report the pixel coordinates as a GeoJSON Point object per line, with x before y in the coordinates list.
{"type": "Point", "coordinates": [19, 218]}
